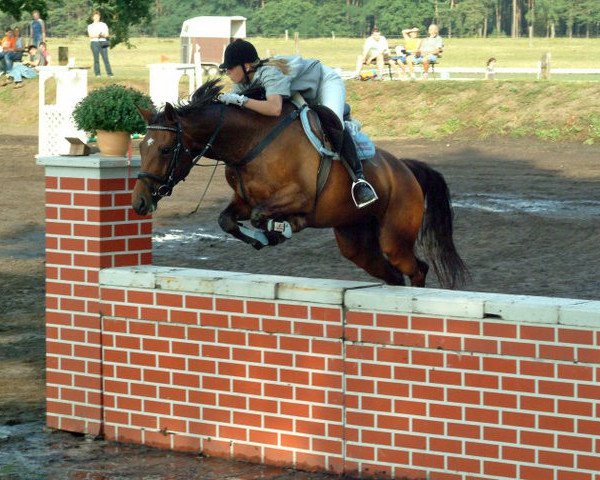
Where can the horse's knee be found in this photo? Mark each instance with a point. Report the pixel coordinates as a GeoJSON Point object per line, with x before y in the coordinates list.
{"type": "Point", "coordinates": [227, 222]}
{"type": "Point", "coordinates": [258, 218]}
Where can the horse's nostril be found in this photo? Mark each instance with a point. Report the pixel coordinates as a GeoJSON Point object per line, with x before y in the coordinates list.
{"type": "Point", "coordinates": [139, 205]}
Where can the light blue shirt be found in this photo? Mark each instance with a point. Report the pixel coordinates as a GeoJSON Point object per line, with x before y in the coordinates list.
{"type": "Point", "coordinates": [304, 77]}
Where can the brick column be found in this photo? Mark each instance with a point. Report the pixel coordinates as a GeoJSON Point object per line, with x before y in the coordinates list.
{"type": "Point", "coordinates": [90, 225]}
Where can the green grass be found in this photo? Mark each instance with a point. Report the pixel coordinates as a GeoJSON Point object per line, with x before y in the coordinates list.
{"type": "Point", "coordinates": [555, 110]}
{"type": "Point", "coordinates": [342, 52]}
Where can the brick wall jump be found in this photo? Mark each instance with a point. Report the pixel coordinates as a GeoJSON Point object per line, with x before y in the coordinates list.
{"type": "Point", "coordinates": [349, 377]}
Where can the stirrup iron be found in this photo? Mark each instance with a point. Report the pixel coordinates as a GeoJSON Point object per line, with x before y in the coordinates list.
{"type": "Point", "coordinates": [369, 202]}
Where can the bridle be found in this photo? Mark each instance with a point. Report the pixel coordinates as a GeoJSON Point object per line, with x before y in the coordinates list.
{"type": "Point", "coordinates": [167, 181]}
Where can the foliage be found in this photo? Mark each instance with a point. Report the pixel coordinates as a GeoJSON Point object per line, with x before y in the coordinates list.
{"type": "Point", "coordinates": [69, 16]}
{"type": "Point", "coordinates": [319, 17]}
{"type": "Point", "coordinates": [292, 15]}
{"type": "Point", "coordinates": [16, 8]}
{"type": "Point", "coordinates": [112, 108]}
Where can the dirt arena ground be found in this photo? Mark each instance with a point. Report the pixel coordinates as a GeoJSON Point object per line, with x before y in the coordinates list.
{"type": "Point", "coordinates": [526, 222]}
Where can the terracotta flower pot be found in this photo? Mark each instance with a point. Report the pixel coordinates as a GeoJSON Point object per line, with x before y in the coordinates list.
{"type": "Point", "coordinates": [113, 144]}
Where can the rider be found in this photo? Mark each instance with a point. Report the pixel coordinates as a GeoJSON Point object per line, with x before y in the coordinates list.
{"type": "Point", "coordinates": [282, 76]}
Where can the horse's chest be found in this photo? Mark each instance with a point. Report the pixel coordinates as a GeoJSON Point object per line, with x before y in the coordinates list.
{"type": "Point", "coordinates": [251, 188]}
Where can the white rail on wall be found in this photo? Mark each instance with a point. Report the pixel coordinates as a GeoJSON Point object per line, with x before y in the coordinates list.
{"type": "Point", "coordinates": [55, 119]}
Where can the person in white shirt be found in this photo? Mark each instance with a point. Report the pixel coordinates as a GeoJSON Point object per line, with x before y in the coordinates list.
{"type": "Point", "coordinates": [375, 48]}
{"type": "Point", "coordinates": [98, 33]}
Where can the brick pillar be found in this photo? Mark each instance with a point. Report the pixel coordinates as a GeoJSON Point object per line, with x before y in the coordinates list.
{"type": "Point", "coordinates": [90, 225]}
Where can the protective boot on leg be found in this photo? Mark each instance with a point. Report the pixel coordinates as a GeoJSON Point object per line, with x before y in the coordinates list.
{"type": "Point", "coordinates": [363, 192]}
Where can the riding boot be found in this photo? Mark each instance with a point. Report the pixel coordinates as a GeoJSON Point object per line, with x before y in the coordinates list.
{"type": "Point", "coordinates": [362, 191]}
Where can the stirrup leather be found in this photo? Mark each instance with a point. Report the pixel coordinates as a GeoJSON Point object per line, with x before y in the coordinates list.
{"type": "Point", "coordinates": [364, 204]}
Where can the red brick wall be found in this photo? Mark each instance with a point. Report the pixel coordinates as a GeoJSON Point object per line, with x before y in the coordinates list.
{"type": "Point", "coordinates": [89, 226]}
{"type": "Point", "coordinates": [368, 391]}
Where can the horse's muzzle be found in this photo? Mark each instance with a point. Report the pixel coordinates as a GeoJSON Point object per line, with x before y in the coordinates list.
{"type": "Point", "coordinates": [142, 202]}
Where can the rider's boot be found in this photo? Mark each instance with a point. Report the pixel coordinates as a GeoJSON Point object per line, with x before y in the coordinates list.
{"type": "Point", "coordinates": [363, 193]}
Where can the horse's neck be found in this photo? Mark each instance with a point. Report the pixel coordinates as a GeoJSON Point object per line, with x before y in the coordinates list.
{"type": "Point", "coordinates": [241, 130]}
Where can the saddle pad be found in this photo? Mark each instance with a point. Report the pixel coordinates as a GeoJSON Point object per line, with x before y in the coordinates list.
{"type": "Point", "coordinates": [365, 148]}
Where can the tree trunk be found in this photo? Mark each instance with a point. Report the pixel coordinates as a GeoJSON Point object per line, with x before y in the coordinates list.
{"type": "Point", "coordinates": [450, 20]}
{"type": "Point", "coordinates": [514, 19]}
{"type": "Point", "coordinates": [498, 19]}
{"type": "Point", "coordinates": [485, 22]}
{"type": "Point", "coordinates": [531, 18]}
{"type": "Point", "coordinates": [552, 29]}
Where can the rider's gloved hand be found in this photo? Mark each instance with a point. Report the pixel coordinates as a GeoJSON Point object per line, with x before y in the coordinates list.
{"type": "Point", "coordinates": [233, 99]}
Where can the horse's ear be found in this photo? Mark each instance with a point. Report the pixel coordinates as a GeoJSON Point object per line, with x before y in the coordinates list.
{"type": "Point", "coordinates": [170, 115]}
{"type": "Point", "coordinates": [146, 114]}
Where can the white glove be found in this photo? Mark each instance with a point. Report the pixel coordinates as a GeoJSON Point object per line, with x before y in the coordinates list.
{"type": "Point", "coordinates": [233, 99]}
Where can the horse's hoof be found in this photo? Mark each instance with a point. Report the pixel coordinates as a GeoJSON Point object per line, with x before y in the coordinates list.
{"type": "Point", "coordinates": [275, 238]}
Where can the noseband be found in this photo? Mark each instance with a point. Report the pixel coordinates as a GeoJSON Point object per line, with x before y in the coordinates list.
{"type": "Point", "coordinates": [168, 181]}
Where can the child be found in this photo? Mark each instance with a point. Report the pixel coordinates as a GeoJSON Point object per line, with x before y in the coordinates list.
{"type": "Point", "coordinates": [19, 71]}
{"type": "Point", "coordinates": [490, 69]}
{"type": "Point", "coordinates": [282, 76]}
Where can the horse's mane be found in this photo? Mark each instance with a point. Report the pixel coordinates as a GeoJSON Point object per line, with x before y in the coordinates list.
{"type": "Point", "coordinates": [204, 96]}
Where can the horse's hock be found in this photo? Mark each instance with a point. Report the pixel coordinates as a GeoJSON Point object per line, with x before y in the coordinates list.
{"type": "Point", "coordinates": [351, 377]}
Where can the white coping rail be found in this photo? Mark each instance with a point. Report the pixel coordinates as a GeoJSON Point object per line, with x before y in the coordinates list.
{"type": "Point", "coordinates": [358, 295]}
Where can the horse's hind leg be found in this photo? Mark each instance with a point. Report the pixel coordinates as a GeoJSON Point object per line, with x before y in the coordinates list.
{"type": "Point", "coordinates": [398, 246]}
{"type": "Point", "coordinates": [360, 245]}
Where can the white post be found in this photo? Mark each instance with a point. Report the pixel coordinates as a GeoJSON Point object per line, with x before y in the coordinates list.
{"type": "Point", "coordinates": [198, 64]}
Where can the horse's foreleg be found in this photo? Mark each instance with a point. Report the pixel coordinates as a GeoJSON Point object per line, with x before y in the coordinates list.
{"type": "Point", "coordinates": [289, 205]}
{"type": "Point", "coordinates": [229, 219]}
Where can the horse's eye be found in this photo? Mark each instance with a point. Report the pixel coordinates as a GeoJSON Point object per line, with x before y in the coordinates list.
{"type": "Point", "coordinates": [165, 150]}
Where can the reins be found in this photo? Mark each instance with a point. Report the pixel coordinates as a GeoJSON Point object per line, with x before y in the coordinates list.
{"type": "Point", "coordinates": [167, 182]}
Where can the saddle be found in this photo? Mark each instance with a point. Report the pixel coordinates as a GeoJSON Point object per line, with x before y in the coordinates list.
{"type": "Point", "coordinates": [325, 132]}
{"type": "Point", "coordinates": [321, 123]}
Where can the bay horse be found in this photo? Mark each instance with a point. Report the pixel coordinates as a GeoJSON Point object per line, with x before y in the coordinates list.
{"type": "Point", "coordinates": [279, 183]}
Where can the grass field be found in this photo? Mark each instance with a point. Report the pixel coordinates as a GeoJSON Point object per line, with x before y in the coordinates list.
{"type": "Point", "coordinates": [132, 63]}
{"type": "Point", "coordinates": [563, 109]}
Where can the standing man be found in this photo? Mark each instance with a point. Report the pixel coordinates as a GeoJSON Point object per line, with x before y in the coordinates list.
{"type": "Point", "coordinates": [38, 29]}
{"type": "Point", "coordinates": [98, 33]}
{"type": "Point", "coordinates": [429, 49]}
{"type": "Point", "coordinates": [375, 48]}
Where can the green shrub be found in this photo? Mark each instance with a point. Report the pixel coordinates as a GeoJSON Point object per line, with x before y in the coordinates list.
{"type": "Point", "coordinates": [112, 108]}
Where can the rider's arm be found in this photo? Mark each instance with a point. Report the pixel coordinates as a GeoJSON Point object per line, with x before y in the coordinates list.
{"type": "Point", "coordinates": [271, 106]}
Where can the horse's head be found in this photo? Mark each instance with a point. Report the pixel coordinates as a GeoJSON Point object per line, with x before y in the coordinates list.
{"type": "Point", "coordinates": [167, 157]}
{"type": "Point", "coordinates": [162, 154]}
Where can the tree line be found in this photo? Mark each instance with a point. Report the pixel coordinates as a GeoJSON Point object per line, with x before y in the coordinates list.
{"type": "Point", "coordinates": [319, 18]}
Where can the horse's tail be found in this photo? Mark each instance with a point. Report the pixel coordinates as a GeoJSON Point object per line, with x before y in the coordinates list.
{"type": "Point", "coordinates": [435, 236]}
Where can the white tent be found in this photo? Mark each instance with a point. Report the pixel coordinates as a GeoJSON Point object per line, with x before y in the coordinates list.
{"type": "Point", "coordinates": [211, 35]}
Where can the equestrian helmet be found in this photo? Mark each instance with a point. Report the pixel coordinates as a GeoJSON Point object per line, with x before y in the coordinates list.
{"type": "Point", "coordinates": [237, 53]}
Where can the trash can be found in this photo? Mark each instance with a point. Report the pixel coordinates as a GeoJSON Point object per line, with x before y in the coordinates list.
{"type": "Point", "coordinates": [63, 55]}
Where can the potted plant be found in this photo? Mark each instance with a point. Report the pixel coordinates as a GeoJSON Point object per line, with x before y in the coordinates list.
{"type": "Point", "coordinates": [111, 111]}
